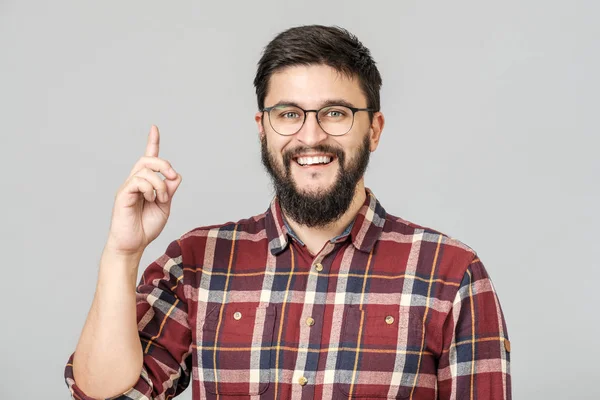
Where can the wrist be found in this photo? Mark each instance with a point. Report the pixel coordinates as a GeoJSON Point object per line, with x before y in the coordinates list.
{"type": "Point", "coordinates": [119, 265]}
{"type": "Point", "coordinates": [112, 251]}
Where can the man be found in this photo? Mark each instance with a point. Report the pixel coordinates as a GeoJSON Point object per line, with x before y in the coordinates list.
{"type": "Point", "coordinates": [323, 296]}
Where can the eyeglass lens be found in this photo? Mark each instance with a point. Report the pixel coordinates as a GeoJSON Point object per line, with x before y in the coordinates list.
{"type": "Point", "coordinates": [335, 120]}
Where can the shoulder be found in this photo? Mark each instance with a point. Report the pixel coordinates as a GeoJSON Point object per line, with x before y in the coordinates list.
{"type": "Point", "coordinates": [436, 250]}
{"type": "Point", "coordinates": [421, 232]}
{"type": "Point", "coordinates": [251, 227]}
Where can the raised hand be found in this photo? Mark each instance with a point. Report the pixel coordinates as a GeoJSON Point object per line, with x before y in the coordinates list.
{"type": "Point", "coordinates": [139, 214]}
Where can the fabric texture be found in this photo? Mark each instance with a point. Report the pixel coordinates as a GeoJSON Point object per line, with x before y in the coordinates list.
{"type": "Point", "coordinates": [388, 309]}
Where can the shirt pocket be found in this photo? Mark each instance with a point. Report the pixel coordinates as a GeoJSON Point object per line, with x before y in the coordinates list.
{"type": "Point", "coordinates": [369, 347]}
{"type": "Point", "coordinates": [236, 349]}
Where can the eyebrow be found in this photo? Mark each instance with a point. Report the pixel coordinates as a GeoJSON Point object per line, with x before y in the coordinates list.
{"type": "Point", "coordinates": [326, 103]}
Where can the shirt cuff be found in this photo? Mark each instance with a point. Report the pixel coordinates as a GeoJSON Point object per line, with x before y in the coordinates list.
{"type": "Point", "coordinates": [141, 390]}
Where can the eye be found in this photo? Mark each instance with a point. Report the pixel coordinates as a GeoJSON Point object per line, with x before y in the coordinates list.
{"type": "Point", "coordinates": [335, 113]}
{"type": "Point", "coordinates": [286, 112]}
{"type": "Point", "coordinates": [290, 115]}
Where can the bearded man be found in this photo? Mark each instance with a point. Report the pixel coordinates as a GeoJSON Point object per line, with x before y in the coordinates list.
{"type": "Point", "coordinates": [325, 295]}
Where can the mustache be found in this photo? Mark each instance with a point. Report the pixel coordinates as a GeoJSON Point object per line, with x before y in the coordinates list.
{"type": "Point", "coordinates": [322, 148]}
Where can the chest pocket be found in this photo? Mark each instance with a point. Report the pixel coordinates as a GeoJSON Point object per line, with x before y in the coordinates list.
{"type": "Point", "coordinates": [236, 349]}
{"type": "Point", "coordinates": [374, 343]}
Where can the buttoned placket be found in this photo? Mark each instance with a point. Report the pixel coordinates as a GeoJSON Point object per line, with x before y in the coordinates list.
{"type": "Point", "coordinates": [311, 321]}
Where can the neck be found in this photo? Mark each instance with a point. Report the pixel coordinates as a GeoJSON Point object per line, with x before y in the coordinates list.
{"type": "Point", "coordinates": [315, 237]}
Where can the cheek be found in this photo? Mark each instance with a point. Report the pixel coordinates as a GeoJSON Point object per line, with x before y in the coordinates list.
{"type": "Point", "coordinates": [350, 149]}
{"type": "Point", "coordinates": [276, 151]}
{"type": "Point", "coordinates": [278, 144]}
{"type": "Point", "coordinates": [352, 153]}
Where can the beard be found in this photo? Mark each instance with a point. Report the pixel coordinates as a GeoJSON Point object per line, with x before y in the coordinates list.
{"type": "Point", "coordinates": [316, 208]}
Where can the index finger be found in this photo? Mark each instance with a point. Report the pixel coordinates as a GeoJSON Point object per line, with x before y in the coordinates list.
{"type": "Point", "coordinates": [153, 142]}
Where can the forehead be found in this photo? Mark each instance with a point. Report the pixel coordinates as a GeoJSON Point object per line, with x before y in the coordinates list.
{"type": "Point", "coordinates": [312, 85]}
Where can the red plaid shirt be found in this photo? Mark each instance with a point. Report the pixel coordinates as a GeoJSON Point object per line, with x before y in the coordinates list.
{"type": "Point", "coordinates": [388, 309]}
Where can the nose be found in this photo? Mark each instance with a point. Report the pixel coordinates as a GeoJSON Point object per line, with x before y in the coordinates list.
{"type": "Point", "coordinates": [311, 132]}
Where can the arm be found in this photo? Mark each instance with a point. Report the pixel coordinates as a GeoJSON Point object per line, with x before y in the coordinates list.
{"type": "Point", "coordinates": [135, 344]}
{"type": "Point", "coordinates": [475, 363]}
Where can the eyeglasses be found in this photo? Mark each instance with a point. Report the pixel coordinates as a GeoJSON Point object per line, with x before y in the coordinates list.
{"type": "Point", "coordinates": [335, 120]}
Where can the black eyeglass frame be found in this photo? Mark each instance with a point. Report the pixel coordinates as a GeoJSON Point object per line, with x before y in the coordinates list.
{"type": "Point", "coordinates": [353, 109]}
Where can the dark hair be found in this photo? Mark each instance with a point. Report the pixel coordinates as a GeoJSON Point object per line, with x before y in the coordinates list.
{"type": "Point", "coordinates": [318, 44]}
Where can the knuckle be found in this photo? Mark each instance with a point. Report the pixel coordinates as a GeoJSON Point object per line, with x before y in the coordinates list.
{"type": "Point", "coordinates": [147, 161]}
{"type": "Point", "coordinates": [140, 182]}
{"type": "Point", "coordinates": [143, 173]}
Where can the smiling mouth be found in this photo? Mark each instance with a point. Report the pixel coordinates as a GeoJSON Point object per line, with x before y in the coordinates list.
{"type": "Point", "coordinates": [308, 161]}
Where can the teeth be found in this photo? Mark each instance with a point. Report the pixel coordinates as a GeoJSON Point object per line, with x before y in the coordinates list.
{"type": "Point", "coordinates": [313, 160]}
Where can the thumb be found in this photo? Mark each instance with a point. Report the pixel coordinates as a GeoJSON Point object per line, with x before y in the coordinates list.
{"type": "Point", "coordinates": [172, 185]}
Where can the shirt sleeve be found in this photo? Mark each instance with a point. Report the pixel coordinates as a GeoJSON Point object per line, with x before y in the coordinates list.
{"type": "Point", "coordinates": [165, 334]}
{"type": "Point", "coordinates": [475, 362]}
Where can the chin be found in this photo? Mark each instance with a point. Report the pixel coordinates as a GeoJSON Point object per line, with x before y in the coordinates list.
{"type": "Point", "coordinates": [318, 183]}
{"type": "Point", "coordinates": [315, 188]}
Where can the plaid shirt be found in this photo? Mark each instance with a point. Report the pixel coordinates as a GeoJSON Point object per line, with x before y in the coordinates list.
{"type": "Point", "coordinates": [388, 309]}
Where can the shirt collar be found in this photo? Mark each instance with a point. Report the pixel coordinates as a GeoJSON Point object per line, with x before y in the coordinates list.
{"type": "Point", "coordinates": [364, 230]}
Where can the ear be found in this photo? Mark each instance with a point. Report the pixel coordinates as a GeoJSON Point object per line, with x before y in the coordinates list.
{"type": "Point", "coordinates": [376, 129]}
{"type": "Point", "coordinates": [258, 117]}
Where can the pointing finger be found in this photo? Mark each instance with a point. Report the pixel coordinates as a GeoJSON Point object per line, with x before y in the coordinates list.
{"type": "Point", "coordinates": [153, 142]}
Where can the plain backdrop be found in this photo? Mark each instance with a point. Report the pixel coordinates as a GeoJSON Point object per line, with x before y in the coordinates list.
{"type": "Point", "coordinates": [492, 112]}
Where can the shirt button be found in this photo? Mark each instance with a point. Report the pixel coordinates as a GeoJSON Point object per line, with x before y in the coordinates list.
{"type": "Point", "coordinates": [310, 321]}
{"type": "Point", "coordinates": [237, 315]}
{"type": "Point", "coordinates": [319, 267]}
{"type": "Point", "coordinates": [389, 320]}
{"type": "Point", "coordinates": [302, 381]}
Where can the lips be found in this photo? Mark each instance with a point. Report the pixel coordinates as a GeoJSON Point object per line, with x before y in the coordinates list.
{"type": "Point", "coordinates": [314, 160]}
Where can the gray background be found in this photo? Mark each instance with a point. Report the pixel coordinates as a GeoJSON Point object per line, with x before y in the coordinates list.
{"type": "Point", "coordinates": [492, 118]}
